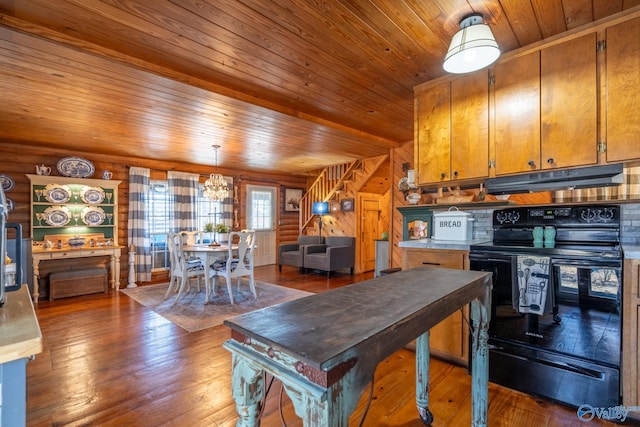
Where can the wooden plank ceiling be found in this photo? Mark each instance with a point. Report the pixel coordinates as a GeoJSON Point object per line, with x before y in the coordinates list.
{"type": "Point", "coordinates": [281, 85]}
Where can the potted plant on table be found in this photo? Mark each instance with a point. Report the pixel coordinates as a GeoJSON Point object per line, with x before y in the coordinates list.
{"type": "Point", "coordinates": [222, 229]}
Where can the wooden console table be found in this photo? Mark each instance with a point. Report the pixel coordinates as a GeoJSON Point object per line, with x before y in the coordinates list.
{"type": "Point", "coordinates": [325, 347]}
{"type": "Point", "coordinates": [39, 255]}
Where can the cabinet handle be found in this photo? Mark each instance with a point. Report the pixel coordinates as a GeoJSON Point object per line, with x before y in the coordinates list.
{"type": "Point", "coordinates": [443, 175]}
{"type": "Point", "coordinates": [531, 163]}
{"type": "Point", "coordinates": [430, 263]}
{"type": "Point", "coordinates": [455, 174]}
{"type": "Point", "coordinates": [550, 160]}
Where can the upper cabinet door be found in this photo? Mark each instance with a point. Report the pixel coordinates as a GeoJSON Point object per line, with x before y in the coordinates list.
{"type": "Point", "coordinates": [470, 126]}
{"type": "Point", "coordinates": [433, 134]}
{"type": "Point", "coordinates": [623, 91]}
{"type": "Point", "coordinates": [569, 108]}
{"type": "Point", "coordinates": [517, 114]}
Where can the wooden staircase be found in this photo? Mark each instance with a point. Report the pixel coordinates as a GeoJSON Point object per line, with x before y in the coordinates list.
{"type": "Point", "coordinates": [336, 182]}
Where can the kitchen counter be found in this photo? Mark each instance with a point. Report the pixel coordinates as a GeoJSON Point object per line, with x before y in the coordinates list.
{"type": "Point", "coordinates": [461, 245]}
{"type": "Point", "coordinates": [20, 339]}
{"type": "Point", "coordinates": [21, 336]}
{"type": "Point", "coordinates": [631, 252]}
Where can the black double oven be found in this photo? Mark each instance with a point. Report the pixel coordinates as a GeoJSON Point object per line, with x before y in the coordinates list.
{"type": "Point", "coordinates": [565, 343]}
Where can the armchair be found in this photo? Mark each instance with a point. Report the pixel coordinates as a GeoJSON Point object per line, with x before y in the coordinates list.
{"type": "Point", "coordinates": [292, 253]}
{"type": "Point", "coordinates": [338, 252]}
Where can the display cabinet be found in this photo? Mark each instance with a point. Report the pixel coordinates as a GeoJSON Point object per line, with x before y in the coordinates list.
{"type": "Point", "coordinates": [74, 218]}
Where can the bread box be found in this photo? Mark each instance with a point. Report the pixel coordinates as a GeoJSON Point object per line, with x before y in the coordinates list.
{"type": "Point", "coordinates": [452, 225]}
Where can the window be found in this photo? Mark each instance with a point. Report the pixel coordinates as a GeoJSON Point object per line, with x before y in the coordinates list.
{"type": "Point", "coordinates": [208, 211]}
{"type": "Point", "coordinates": [160, 220]}
{"type": "Point", "coordinates": [261, 209]}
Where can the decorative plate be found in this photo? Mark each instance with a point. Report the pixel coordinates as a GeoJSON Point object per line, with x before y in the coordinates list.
{"type": "Point", "coordinates": [55, 193]}
{"type": "Point", "coordinates": [93, 195]}
{"type": "Point", "coordinates": [92, 216]}
{"type": "Point", "coordinates": [57, 216]}
{"type": "Point", "coordinates": [403, 184]}
{"type": "Point", "coordinates": [7, 182]}
{"type": "Point", "coordinates": [76, 167]}
{"type": "Point", "coordinates": [11, 205]}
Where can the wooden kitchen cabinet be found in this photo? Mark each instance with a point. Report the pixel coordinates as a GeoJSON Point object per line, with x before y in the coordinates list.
{"type": "Point", "coordinates": [450, 338]}
{"type": "Point", "coordinates": [452, 130]}
{"type": "Point", "coordinates": [569, 104]}
{"type": "Point", "coordinates": [622, 91]}
{"type": "Point", "coordinates": [546, 109]}
{"type": "Point", "coordinates": [516, 95]}
{"type": "Point", "coordinates": [631, 334]}
{"type": "Point", "coordinates": [432, 151]}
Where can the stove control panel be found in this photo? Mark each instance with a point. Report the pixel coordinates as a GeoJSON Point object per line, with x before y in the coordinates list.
{"type": "Point", "coordinates": [523, 217]}
{"type": "Point", "coordinates": [550, 213]}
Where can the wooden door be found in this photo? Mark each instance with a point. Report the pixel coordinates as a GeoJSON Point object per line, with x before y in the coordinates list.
{"type": "Point", "coordinates": [433, 134]}
{"type": "Point", "coordinates": [517, 114]}
{"type": "Point", "coordinates": [369, 225]}
{"type": "Point", "coordinates": [261, 208]}
{"type": "Point", "coordinates": [569, 110]}
{"type": "Point", "coordinates": [623, 91]}
{"type": "Point", "coordinates": [470, 126]}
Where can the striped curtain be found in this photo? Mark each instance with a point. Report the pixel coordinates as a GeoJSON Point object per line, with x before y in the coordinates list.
{"type": "Point", "coordinates": [138, 231]}
{"type": "Point", "coordinates": [183, 195]}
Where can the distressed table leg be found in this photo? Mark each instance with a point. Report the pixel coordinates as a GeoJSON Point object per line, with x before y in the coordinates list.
{"type": "Point", "coordinates": [247, 389]}
{"type": "Point", "coordinates": [480, 316]}
{"type": "Point", "coordinates": [422, 378]}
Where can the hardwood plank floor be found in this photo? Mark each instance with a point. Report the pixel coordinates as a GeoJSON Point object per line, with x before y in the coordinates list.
{"type": "Point", "coordinates": [109, 361]}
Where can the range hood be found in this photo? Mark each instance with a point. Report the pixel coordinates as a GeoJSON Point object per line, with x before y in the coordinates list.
{"type": "Point", "coordinates": [565, 179]}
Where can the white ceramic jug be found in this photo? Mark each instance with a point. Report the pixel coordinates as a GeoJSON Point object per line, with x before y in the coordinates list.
{"type": "Point", "coordinates": [43, 170]}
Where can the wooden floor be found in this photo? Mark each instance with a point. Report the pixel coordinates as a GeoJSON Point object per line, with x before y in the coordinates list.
{"type": "Point", "coordinates": [108, 361]}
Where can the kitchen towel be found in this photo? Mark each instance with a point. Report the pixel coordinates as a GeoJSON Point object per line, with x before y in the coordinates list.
{"type": "Point", "coordinates": [531, 284]}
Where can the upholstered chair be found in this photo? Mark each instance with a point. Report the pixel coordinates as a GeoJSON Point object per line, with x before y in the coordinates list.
{"type": "Point", "coordinates": [292, 253]}
{"type": "Point", "coordinates": [339, 252]}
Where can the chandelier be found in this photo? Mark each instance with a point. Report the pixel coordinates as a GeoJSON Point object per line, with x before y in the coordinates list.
{"type": "Point", "coordinates": [216, 187]}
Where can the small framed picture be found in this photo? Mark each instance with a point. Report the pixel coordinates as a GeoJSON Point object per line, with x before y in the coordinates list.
{"type": "Point", "coordinates": [346, 205]}
{"type": "Point", "coordinates": [292, 198]}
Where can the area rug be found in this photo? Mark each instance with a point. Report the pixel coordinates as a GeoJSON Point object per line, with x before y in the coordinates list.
{"type": "Point", "coordinates": [192, 314]}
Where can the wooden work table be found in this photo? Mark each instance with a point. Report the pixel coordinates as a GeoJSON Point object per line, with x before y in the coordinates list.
{"type": "Point", "coordinates": [20, 339]}
{"type": "Point", "coordinates": [325, 347]}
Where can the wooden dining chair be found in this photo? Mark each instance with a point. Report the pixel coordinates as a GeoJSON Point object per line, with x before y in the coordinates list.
{"type": "Point", "coordinates": [239, 263]}
{"type": "Point", "coordinates": [182, 270]}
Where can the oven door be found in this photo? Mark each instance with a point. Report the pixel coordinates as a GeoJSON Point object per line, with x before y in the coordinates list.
{"type": "Point", "coordinates": [589, 284]}
{"type": "Point", "coordinates": [571, 354]}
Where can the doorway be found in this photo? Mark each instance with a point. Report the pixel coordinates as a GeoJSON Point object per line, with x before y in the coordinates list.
{"type": "Point", "coordinates": [261, 217]}
{"type": "Point", "coordinates": [369, 229]}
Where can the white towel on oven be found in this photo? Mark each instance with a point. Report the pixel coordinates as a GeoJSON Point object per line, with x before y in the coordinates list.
{"type": "Point", "coordinates": [531, 284]}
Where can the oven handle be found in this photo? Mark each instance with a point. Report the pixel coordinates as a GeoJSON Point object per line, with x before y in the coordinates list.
{"type": "Point", "coordinates": [478, 257]}
{"type": "Point", "coordinates": [586, 263]}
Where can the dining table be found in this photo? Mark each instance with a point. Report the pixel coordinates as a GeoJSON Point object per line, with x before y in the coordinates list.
{"type": "Point", "coordinates": [208, 255]}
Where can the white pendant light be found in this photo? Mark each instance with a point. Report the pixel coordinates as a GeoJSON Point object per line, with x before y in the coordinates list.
{"type": "Point", "coordinates": [472, 48]}
{"type": "Point", "coordinates": [216, 187]}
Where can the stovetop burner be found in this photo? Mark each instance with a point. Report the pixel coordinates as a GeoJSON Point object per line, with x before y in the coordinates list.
{"type": "Point", "coordinates": [581, 231]}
